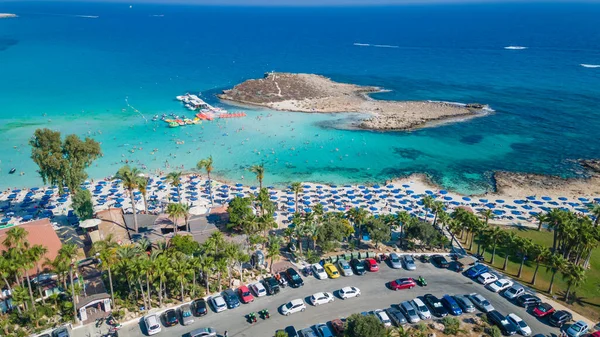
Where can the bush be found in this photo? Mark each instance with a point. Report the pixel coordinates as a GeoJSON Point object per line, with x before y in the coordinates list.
{"type": "Point", "coordinates": [362, 326]}
{"type": "Point", "coordinates": [281, 333]}
{"type": "Point", "coordinates": [451, 325]}
{"type": "Point", "coordinates": [494, 331]}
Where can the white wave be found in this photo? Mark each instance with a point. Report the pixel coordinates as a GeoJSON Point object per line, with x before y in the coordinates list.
{"type": "Point", "coordinates": [362, 44]}
{"type": "Point", "coordinates": [590, 65]}
{"type": "Point", "coordinates": [515, 47]}
{"type": "Point", "coordinates": [384, 46]}
{"type": "Point", "coordinates": [158, 15]}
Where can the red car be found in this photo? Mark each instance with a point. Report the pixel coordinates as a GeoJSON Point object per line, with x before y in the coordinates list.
{"type": "Point", "coordinates": [245, 294]}
{"type": "Point", "coordinates": [403, 283]}
{"type": "Point", "coordinates": [371, 265]}
{"type": "Point", "coordinates": [543, 310]}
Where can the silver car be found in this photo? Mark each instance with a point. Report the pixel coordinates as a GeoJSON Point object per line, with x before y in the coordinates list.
{"type": "Point", "coordinates": [396, 316]}
{"type": "Point", "coordinates": [345, 268]}
{"type": "Point", "coordinates": [465, 303]}
{"type": "Point", "coordinates": [218, 303]}
{"type": "Point", "coordinates": [186, 314]}
{"type": "Point", "coordinates": [395, 261]}
{"type": "Point", "coordinates": [409, 262]}
{"type": "Point", "coordinates": [481, 302]}
{"type": "Point", "coordinates": [409, 312]}
{"type": "Point", "coordinates": [307, 332]}
{"type": "Point", "coordinates": [204, 332]}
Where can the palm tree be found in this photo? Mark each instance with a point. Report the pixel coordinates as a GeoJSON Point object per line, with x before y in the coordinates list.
{"type": "Point", "coordinates": [130, 179]}
{"type": "Point", "coordinates": [37, 253]}
{"type": "Point", "coordinates": [174, 178]}
{"type": "Point", "coordinates": [175, 212]}
{"type": "Point", "coordinates": [540, 254]}
{"type": "Point", "coordinates": [428, 204]}
{"type": "Point", "coordinates": [207, 265]}
{"type": "Point", "coordinates": [541, 217]}
{"type": "Point", "coordinates": [143, 188]}
{"type": "Point", "coordinates": [509, 240]}
{"type": "Point", "coordinates": [20, 254]}
{"type": "Point", "coordinates": [556, 219]}
{"type": "Point", "coordinates": [107, 253]}
{"type": "Point", "coordinates": [438, 208]}
{"type": "Point", "coordinates": [524, 246]}
{"type": "Point", "coordinates": [297, 189]}
{"type": "Point", "coordinates": [259, 170]}
{"type": "Point", "coordinates": [20, 297]}
{"type": "Point", "coordinates": [574, 275]}
{"type": "Point", "coordinates": [207, 164]}
{"type": "Point", "coordinates": [495, 234]}
{"type": "Point", "coordinates": [358, 216]}
{"type": "Point", "coordinates": [221, 267]}
{"type": "Point", "coordinates": [595, 210]}
{"type": "Point", "coordinates": [181, 269]}
{"type": "Point", "coordinates": [555, 263]}
{"type": "Point", "coordinates": [487, 215]}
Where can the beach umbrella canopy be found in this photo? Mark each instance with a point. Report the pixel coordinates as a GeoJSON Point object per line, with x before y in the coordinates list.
{"type": "Point", "coordinates": [546, 198]}
{"type": "Point", "coordinates": [583, 199]}
{"type": "Point", "coordinates": [373, 208]}
{"type": "Point", "coordinates": [500, 201]}
{"type": "Point", "coordinates": [562, 198]}
{"type": "Point", "coordinates": [443, 192]}
{"type": "Point", "coordinates": [447, 198]}
{"type": "Point", "coordinates": [531, 197]}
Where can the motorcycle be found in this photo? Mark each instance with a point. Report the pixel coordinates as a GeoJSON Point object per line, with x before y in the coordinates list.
{"type": "Point", "coordinates": [282, 280]}
{"type": "Point", "coordinates": [307, 271]}
{"type": "Point", "coordinates": [421, 281]}
{"type": "Point", "coordinates": [99, 322]}
{"type": "Point", "coordinates": [264, 314]}
{"type": "Point", "coordinates": [252, 317]}
{"type": "Point", "coordinates": [110, 320]}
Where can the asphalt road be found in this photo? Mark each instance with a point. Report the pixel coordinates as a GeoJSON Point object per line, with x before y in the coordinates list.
{"type": "Point", "coordinates": [375, 295]}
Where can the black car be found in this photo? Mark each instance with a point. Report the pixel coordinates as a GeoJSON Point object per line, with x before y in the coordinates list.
{"type": "Point", "coordinates": [435, 305]}
{"type": "Point", "coordinates": [171, 317]}
{"type": "Point", "coordinates": [357, 266]}
{"type": "Point", "coordinates": [505, 325]}
{"type": "Point", "coordinates": [271, 285]}
{"type": "Point", "coordinates": [440, 261]}
{"type": "Point", "coordinates": [396, 316]}
{"type": "Point", "coordinates": [199, 307]}
{"type": "Point", "coordinates": [559, 318]}
{"type": "Point", "coordinates": [294, 278]}
{"type": "Point", "coordinates": [231, 298]}
{"type": "Point", "coordinates": [528, 300]}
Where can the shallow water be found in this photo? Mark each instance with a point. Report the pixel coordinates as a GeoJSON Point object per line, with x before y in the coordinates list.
{"type": "Point", "coordinates": [74, 74]}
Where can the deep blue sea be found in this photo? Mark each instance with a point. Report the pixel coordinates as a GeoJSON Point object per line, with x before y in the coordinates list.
{"type": "Point", "coordinates": [75, 67]}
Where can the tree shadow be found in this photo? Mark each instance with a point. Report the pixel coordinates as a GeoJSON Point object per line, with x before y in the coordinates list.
{"type": "Point", "coordinates": [574, 298]}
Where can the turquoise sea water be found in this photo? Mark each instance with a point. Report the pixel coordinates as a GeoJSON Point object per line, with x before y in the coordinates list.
{"type": "Point", "coordinates": [74, 74]}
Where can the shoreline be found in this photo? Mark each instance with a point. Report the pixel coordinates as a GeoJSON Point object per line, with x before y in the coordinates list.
{"type": "Point", "coordinates": [310, 93]}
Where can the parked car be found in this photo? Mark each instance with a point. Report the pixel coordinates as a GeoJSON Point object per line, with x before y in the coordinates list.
{"type": "Point", "coordinates": [218, 303]}
{"type": "Point", "coordinates": [245, 294]}
{"type": "Point", "coordinates": [318, 271]}
{"type": "Point", "coordinates": [331, 270]}
{"type": "Point", "coordinates": [231, 299]}
{"type": "Point", "coordinates": [514, 291]}
{"type": "Point", "coordinates": [559, 318]}
{"type": "Point", "coordinates": [528, 300]}
{"type": "Point", "coordinates": [323, 330]}
{"type": "Point", "coordinates": [290, 331]}
{"type": "Point", "coordinates": [170, 317]}
{"type": "Point", "coordinates": [203, 332]}
{"type": "Point", "coordinates": [499, 285]}
{"type": "Point", "coordinates": [307, 332]}
{"type": "Point", "coordinates": [272, 286]}
{"type": "Point", "coordinates": [501, 322]}
{"type": "Point", "coordinates": [465, 303]}
{"type": "Point", "coordinates": [409, 262]}
{"type": "Point", "coordinates": [349, 292]}
{"type": "Point", "coordinates": [294, 278]}
{"type": "Point", "coordinates": [357, 266]}
{"type": "Point", "coordinates": [371, 265]}
{"type": "Point", "coordinates": [293, 306]}
{"type": "Point", "coordinates": [440, 261]}
{"type": "Point", "coordinates": [338, 326]}
{"type": "Point", "coordinates": [383, 317]}
{"type": "Point", "coordinates": [476, 270]}
{"type": "Point", "coordinates": [480, 302]}
{"type": "Point", "coordinates": [185, 311]}
{"type": "Point", "coordinates": [409, 312]}
{"type": "Point", "coordinates": [152, 324]}
{"type": "Point", "coordinates": [523, 328]}
{"type": "Point", "coordinates": [396, 316]}
{"type": "Point", "coordinates": [199, 307]}
{"type": "Point", "coordinates": [437, 308]}
{"type": "Point", "coordinates": [486, 278]}
{"type": "Point", "coordinates": [577, 329]}
{"type": "Point", "coordinates": [395, 261]}
{"type": "Point", "coordinates": [451, 305]}
{"type": "Point", "coordinates": [321, 298]}
{"type": "Point", "coordinates": [345, 268]}
{"type": "Point", "coordinates": [403, 283]}
{"type": "Point", "coordinates": [258, 289]}
{"type": "Point", "coordinates": [61, 332]}
{"type": "Point", "coordinates": [421, 308]}
{"type": "Point", "coordinates": [543, 310]}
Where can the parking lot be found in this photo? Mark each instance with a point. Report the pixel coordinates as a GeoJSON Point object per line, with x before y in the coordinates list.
{"type": "Point", "coordinates": [375, 295]}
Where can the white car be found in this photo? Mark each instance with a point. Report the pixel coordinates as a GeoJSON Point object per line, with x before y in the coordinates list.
{"type": "Point", "coordinates": [258, 289]}
{"type": "Point", "coordinates": [218, 303]}
{"type": "Point", "coordinates": [523, 328]}
{"type": "Point", "coordinates": [514, 291]}
{"type": "Point", "coordinates": [383, 317]}
{"type": "Point", "coordinates": [499, 285]}
{"type": "Point", "coordinates": [319, 271]}
{"type": "Point", "coordinates": [152, 324]}
{"type": "Point", "coordinates": [421, 308]}
{"type": "Point", "coordinates": [349, 292]}
{"type": "Point", "coordinates": [486, 278]}
{"type": "Point", "coordinates": [293, 306]}
{"type": "Point", "coordinates": [321, 298]}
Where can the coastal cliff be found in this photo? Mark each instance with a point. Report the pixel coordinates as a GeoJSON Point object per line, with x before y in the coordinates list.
{"type": "Point", "coordinates": [312, 93]}
{"type": "Point", "coordinates": [7, 15]}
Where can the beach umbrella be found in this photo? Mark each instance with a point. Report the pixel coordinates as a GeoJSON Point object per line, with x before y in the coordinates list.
{"type": "Point", "coordinates": [466, 198]}
{"type": "Point", "coordinates": [447, 198]}
{"type": "Point", "coordinates": [443, 192]}
{"type": "Point", "coordinates": [34, 188]}
{"type": "Point", "coordinates": [306, 202]}
{"type": "Point", "coordinates": [390, 186]}
{"type": "Point", "coordinates": [61, 200]}
{"type": "Point", "coordinates": [531, 197]}
{"type": "Point", "coordinates": [307, 210]}
{"type": "Point", "coordinates": [562, 198]}
{"type": "Point", "coordinates": [526, 207]}
{"type": "Point", "coordinates": [429, 192]}
{"type": "Point", "coordinates": [537, 202]}
{"type": "Point", "coordinates": [373, 208]}
{"type": "Point", "coordinates": [500, 201]}
{"type": "Point", "coordinates": [455, 202]}
{"type": "Point", "coordinates": [406, 186]}
{"type": "Point", "coordinates": [490, 205]}
{"type": "Point", "coordinates": [341, 209]}
{"type": "Point", "coordinates": [498, 212]}
{"type": "Point", "coordinates": [376, 186]}
{"type": "Point", "coordinates": [546, 198]}
{"type": "Point", "coordinates": [583, 199]}
{"type": "Point", "coordinates": [483, 200]}
{"type": "Point", "coordinates": [410, 192]}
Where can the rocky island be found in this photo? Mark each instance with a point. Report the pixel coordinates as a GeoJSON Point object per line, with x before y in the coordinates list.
{"type": "Point", "coordinates": [318, 94]}
{"type": "Point", "coordinates": [7, 15]}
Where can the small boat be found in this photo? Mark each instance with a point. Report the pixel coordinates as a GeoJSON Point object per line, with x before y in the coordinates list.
{"type": "Point", "coordinates": [173, 124]}
{"type": "Point", "coordinates": [12, 170]}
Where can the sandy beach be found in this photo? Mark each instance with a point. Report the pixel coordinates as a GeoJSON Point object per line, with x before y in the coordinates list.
{"type": "Point", "coordinates": [311, 93]}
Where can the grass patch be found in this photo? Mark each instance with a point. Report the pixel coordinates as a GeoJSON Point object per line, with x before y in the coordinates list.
{"type": "Point", "coordinates": [585, 299]}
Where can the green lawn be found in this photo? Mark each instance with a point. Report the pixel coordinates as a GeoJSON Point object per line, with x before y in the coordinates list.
{"type": "Point", "coordinates": [585, 299]}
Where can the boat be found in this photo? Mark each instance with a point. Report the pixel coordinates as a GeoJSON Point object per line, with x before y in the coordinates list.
{"type": "Point", "coordinates": [173, 124]}
{"type": "Point", "coordinates": [12, 170]}
{"type": "Point", "coordinates": [515, 47]}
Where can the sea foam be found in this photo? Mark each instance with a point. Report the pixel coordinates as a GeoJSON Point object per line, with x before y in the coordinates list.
{"type": "Point", "coordinates": [515, 47]}
{"type": "Point", "coordinates": [590, 65]}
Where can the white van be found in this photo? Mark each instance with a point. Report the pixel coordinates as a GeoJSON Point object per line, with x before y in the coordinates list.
{"type": "Point", "coordinates": [487, 278]}
{"type": "Point", "coordinates": [152, 324]}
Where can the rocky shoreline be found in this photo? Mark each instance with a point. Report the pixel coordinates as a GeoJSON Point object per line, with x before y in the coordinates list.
{"type": "Point", "coordinates": [312, 93]}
